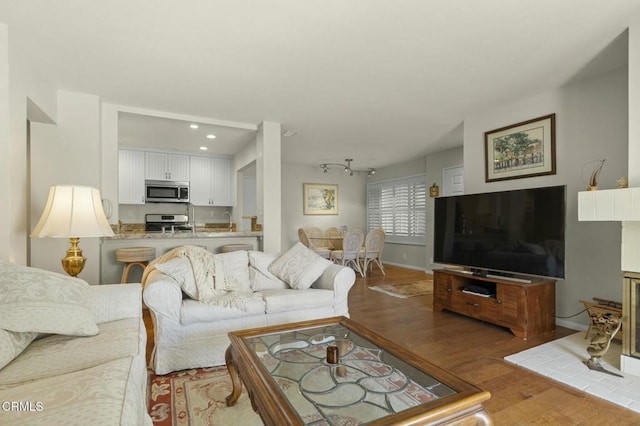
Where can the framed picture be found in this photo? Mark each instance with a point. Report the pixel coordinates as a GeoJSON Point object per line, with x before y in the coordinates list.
{"type": "Point", "coordinates": [521, 150]}
{"type": "Point", "coordinates": [320, 198]}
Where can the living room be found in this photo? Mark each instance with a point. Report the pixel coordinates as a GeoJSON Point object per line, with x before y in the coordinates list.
{"type": "Point", "coordinates": [596, 111]}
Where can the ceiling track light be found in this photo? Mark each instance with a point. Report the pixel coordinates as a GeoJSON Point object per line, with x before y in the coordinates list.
{"type": "Point", "coordinates": [346, 167]}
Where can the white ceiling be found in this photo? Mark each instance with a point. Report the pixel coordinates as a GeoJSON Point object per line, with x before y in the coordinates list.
{"type": "Point", "coordinates": [379, 81]}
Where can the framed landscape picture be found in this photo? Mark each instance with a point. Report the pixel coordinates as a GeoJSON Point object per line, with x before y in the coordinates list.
{"type": "Point", "coordinates": [521, 150]}
{"type": "Point", "coordinates": [320, 199]}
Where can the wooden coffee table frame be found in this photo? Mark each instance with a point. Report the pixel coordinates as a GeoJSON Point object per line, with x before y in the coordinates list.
{"type": "Point", "coordinates": [463, 408]}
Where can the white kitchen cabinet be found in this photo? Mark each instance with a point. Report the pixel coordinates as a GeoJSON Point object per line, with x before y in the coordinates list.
{"type": "Point", "coordinates": [163, 166]}
{"type": "Point", "coordinates": [210, 181]}
{"type": "Point", "coordinates": [131, 166]}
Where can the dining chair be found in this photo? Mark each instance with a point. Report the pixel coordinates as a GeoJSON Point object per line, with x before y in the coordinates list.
{"type": "Point", "coordinates": [335, 243]}
{"type": "Point", "coordinates": [312, 238]}
{"type": "Point", "coordinates": [351, 244]}
{"type": "Point", "coordinates": [372, 251]}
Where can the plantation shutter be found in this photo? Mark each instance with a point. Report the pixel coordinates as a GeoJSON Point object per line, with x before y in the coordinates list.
{"type": "Point", "coordinates": [399, 207]}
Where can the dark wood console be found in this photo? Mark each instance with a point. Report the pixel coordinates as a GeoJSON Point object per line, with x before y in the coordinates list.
{"type": "Point", "coordinates": [527, 309]}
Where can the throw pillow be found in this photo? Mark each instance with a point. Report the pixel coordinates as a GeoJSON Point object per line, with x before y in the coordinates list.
{"type": "Point", "coordinates": [12, 344]}
{"type": "Point", "coordinates": [35, 300]}
{"type": "Point", "coordinates": [180, 270]}
{"type": "Point", "coordinates": [261, 278]}
{"type": "Point", "coordinates": [232, 271]}
{"type": "Point", "coordinates": [299, 267]}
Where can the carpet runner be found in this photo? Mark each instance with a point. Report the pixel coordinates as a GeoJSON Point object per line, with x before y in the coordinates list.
{"type": "Point", "coordinates": [197, 397]}
{"type": "Point", "coordinates": [405, 290]}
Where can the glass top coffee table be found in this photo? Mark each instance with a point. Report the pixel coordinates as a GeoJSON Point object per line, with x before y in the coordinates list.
{"type": "Point", "coordinates": [334, 371]}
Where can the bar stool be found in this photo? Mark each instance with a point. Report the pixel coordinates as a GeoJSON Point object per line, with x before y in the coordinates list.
{"type": "Point", "coordinates": [235, 247]}
{"type": "Point", "coordinates": [133, 256]}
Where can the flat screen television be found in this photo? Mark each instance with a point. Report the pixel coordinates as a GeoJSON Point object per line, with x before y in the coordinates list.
{"type": "Point", "coordinates": [508, 233]}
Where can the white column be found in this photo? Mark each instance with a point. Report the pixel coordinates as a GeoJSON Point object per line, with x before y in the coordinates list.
{"type": "Point", "coordinates": [269, 189]}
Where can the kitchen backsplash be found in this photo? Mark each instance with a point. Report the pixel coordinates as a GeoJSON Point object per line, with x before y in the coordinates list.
{"type": "Point", "coordinates": [134, 214]}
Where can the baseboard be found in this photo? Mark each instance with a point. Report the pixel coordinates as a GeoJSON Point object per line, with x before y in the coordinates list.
{"type": "Point", "coordinates": [570, 324]}
{"type": "Point", "coordinates": [415, 268]}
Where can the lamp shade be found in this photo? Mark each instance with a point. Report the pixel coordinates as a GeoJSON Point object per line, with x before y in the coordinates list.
{"type": "Point", "coordinates": [73, 211]}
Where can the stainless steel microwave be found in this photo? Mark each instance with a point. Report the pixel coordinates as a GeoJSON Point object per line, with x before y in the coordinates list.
{"type": "Point", "coordinates": [158, 191]}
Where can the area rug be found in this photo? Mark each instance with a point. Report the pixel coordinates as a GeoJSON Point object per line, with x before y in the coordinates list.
{"type": "Point", "coordinates": [405, 290]}
{"type": "Point", "coordinates": [561, 360]}
{"type": "Point", "coordinates": [197, 397]}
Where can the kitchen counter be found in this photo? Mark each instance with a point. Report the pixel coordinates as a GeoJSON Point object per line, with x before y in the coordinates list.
{"type": "Point", "coordinates": [212, 240]}
{"type": "Point", "coordinates": [182, 234]}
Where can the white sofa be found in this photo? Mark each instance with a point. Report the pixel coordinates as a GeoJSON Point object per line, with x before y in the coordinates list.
{"type": "Point", "coordinates": [191, 334]}
{"type": "Point", "coordinates": [81, 379]}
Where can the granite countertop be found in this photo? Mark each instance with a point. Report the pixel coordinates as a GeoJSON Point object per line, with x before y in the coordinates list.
{"type": "Point", "coordinates": [134, 231]}
{"type": "Point", "coordinates": [182, 234]}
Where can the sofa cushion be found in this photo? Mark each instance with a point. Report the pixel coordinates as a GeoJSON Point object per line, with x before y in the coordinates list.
{"type": "Point", "coordinates": [232, 271]}
{"type": "Point", "coordinates": [35, 300]}
{"type": "Point", "coordinates": [181, 271]}
{"type": "Point", "coordinates": [296, 300]}
{"type": "Point", "coordinates": [193, 311]}
{"type": "Point", "coordinates": [299, 267]}
{"type": "Point", "coordinates": [260, 277]}
{"type": "Point", "coordinates": [107, 394]}
{"type": "Point", "coordinates": [57, 354]}
{"type": "Point", "coordinates": [12, 344]}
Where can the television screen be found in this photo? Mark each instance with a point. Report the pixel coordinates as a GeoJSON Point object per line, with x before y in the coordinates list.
{"type": "Point", "coordinates": [508, 232]}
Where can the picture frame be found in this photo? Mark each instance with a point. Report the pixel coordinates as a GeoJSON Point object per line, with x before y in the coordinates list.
{"type": "Point", "coordinates": [320, 199]}
{"type": "Point", "coordinates": [521, 150]}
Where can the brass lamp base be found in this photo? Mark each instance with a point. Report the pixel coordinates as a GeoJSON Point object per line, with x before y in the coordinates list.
{"type": "Point", "coordinates": [73, 262]}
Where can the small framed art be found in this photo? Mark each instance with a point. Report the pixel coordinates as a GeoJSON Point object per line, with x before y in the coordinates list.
{"type": "Point", "coordinates": [320, 199]}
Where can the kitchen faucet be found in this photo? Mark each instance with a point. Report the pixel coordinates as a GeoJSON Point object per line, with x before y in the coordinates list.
{"type": "Point", "coordinates": [227, 213]}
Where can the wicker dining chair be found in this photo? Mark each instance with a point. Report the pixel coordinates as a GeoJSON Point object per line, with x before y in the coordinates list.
{"type": "Point", "coordinates": [309, 237]}
{"type": "Point", "coordinates": [334, 244]}
{"type": "Point", "coordinates": [351, 244]}
{"type": "Point", "coordinates": [372, 251]}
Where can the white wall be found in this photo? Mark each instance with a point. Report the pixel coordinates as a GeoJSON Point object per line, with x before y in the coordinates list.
{"type": "Point", "coordinates": [351, 200]}
{"type": "Point", "coordinates": [20, 85]}
{"type": "Point", "coordinates": [67, 153]}
{"type": "Point", "coordinates": [631, 230]}
{"type": "Point", "coordinates": [591, 123]}
{"type": "Point", "coordinates": [435, 163]}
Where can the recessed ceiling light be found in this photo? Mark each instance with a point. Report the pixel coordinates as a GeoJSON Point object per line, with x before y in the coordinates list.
{"type": "Point", "coordinates": [211, 136]}
{"type": "Point", "coordinates": [203, 148]}
{"type": "Point", "coordinates": [289, 133]}
{"type": "Point", "coordinates": [193, 126]}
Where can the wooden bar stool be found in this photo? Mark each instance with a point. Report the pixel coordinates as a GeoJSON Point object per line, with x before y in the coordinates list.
{"type": "Point", "coordinates": [133, 256]}
{"type": "Point", "coordinates": [235, 247]}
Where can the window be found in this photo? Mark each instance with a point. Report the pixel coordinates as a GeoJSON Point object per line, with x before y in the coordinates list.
{"type": "Point", "coordinates": [399, 207]}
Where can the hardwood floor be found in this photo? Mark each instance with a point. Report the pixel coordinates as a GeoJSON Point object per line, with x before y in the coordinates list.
{"type": "Point", "coordinates": [474, 350]}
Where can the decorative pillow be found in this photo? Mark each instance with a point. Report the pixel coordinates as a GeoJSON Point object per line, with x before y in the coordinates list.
{"type": "Point", "coordinates": [180, 270]}
{"type": "Point", "coordinates": [12, 344]}
{"type": "Point", "coordinates": [299, 267]}
{"type": "Point", "coordinates": [232, 271]}
{"type": "Point", "coordinates": [261, 278]}
{"type": "Point", "coordinates": [35, 300]}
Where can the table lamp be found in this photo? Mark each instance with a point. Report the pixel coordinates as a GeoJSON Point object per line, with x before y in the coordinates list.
{"type": "Point", "coordinates": [72, 212]}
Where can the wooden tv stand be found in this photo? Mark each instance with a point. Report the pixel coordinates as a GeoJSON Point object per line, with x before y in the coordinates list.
{"type": "Point", "coordinates": [527, 309]}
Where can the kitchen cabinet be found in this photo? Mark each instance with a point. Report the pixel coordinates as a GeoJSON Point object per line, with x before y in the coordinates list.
{"type": "Point", "coordinates": [163, 166]}
{"type": "Point", "coordinates": [131, 166]}
{"type": "Point", "coordinates": [210, 181]}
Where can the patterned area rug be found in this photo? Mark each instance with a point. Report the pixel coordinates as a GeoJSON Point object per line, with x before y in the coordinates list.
{"type": "Point", "coordinates": [197, 397]}
{"type": "Point", "coordinates": [405, 290]}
